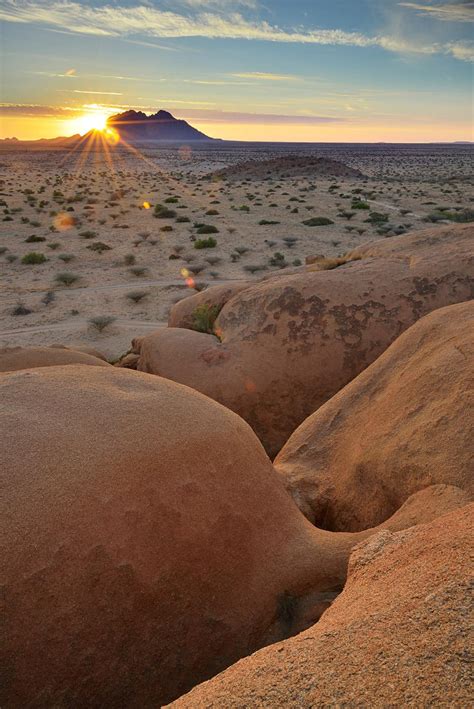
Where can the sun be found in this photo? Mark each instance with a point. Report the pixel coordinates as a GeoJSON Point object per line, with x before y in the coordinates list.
{"type": "Point", "coordinates": [96, 120]}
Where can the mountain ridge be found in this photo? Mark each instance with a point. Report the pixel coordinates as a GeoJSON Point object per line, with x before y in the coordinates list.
{"type": "Point", "coordinates": [162, 126]}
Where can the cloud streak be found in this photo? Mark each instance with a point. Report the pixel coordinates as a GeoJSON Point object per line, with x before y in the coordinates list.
{"type": "Point", "coordinates": [206, 115]}
{"type": "Point", "coordinates": [140, 20]}
{"type": "Point", "coordinates": [449, 12]}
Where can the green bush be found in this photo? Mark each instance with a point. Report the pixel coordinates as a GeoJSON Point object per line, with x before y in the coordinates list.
{"type": "Point", "coordinates": [318, 221]}
{"type": "Point", "coordinates": [66, 278]}
{"type": "Point", "coordinates": [204, 317]}
{"type": "Point", "coordinates": [33, 258]}
{"type": "Point", "coordinates": [161, 212]}
{"type": "Point", "coordinates": [210, 243]}
{"type": "Point", "coordinates": [207, 229]}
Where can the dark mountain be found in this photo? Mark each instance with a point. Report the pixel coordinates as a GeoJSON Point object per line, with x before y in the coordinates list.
{"type": "Point", "coordinates": [135, 126]}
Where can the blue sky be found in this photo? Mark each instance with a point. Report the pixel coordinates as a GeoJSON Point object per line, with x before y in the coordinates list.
{"type": "Point", "coordinates": [243, 69]}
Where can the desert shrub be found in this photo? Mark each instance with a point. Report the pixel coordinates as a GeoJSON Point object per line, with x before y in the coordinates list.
{"type": "Point", "coordinates": [204, 317]}
{"type": "Point", "coordinates": [66, 278]}
{"type": "Point", "coordinates": [21, 309]}
{"type": "Point", "coordinates": [137, 271]}
{"type": "Point", "coordinates": [210, 243]}
{"type": "Point", "coordinates": [33, 239]}
{"type": "Point", "coordinates": [213, 260]}
{"type": "Point", "coordinates": [377, 218]}
{"type": "Point", "coordinates": [254, 268]}
{"type": "Point", "coordinates": [278, 260]}
{"type": "Point", "coordinates": [137, 295]}
{"type": "Point", "coordinates": [161, 212]}
{"type": "Point", "coordinates": [358, 204]}
{"type": "Point", "coordinates": [290, 241]}
{"type": "Point", "coordinates": [266, 222]}
{"type": "Point", "coordinates": [3, 250]}
{"type": "Point", "coordinates": [66, 257]}
{"type": "Point", "coordinates": [318, 221]}
{"type": "Point", "coordinates": [211, 212]}
{"type": "Point", "coordinates": [166, 228]}
{"type": "Point", "coordinates": [99, 246]}
{"type": "Point", "coordinates": [48, 297]}
{"type": "Point", "coordinates": [241, 250]}
{"type": "Point", "coordinates": [53, 245]}
{"type": "Point", "coordinates": [33, 258]}
{"type": "Point", "coordinates": [207, 229]}
{"type": "Point", "coordinates": [171, 200]}
{"type": "Point", "coordinates": [88, 234]}
{"type": "Point", "coordinates": [11, 258]}
{"type": "Point", "coordinates": [129, 259]}
{"type": "Point", "coordinates": [182, 220]}
{"type": "Point", "coordinates": [100, 322]}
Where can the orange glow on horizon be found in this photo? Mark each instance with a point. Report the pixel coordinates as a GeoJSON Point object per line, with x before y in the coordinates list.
{"type": "Point", "coordinates": [366, 131]}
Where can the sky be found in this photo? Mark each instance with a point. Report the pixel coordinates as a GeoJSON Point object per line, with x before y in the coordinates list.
{"type": "Point", "coordinates": [260, 70]}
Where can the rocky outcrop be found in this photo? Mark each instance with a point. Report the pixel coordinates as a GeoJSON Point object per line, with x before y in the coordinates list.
{"type": "Point", "coordinates": [14, 358]}
{"type": "Point", "coordinates": [146, 541]}
{"type": "Point", "coordinates": [400, 426]}
{"type": "Point", "coordinates": [288, 344]}
{"type": "Point", "coordinates": [136, 126]}
{"type": "Point", "coordinates": [182, 314]}
{"type": "Point", "coordinates": [398, 635]}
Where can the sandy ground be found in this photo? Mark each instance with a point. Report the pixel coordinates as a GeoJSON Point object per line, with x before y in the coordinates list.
{"type": "Point", "coordinates": [70, 207]}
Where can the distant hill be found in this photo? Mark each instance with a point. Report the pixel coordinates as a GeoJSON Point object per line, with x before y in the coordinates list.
{"type": "Point", "coordinates": [136, 126]}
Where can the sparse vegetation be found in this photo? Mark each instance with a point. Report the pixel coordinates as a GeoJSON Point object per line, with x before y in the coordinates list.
{"type": "Point", "coordinates": [204, 317]}
{"type": "Point", "coordinates": [33, 258]}
{"type": "Point", "coordinates": [210, 243]}
{"type": "Point", "coordinates": [100, 322]}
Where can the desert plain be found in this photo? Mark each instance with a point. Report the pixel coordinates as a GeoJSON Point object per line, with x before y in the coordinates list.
{"type": "Point", "coordinates": [107, 267]}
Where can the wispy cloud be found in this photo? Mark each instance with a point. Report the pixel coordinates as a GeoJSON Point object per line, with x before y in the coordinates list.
{"type": "Point", "coordinates": [210, 116]}
{"type": "Point", "coordinates": [263, 76]}
{"type": "Point", "coordinates": [98, 93]}
{"type": "Point", "coordinates": [139, 20]}
{"type": "Point", "coordinates": [70, 74]}
{"type": "Point", "coordinates": [26, 109]}
{"type": "Point", "coordinates": [450, 12]}
{"type": "Point", "coordinates": [203, 114]}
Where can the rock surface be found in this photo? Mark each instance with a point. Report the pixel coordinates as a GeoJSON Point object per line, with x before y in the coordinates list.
{"type": "Point", "coordinates": [398, 635]}
{"type": "Point", "coordinates": [146, 541]}
{"type": "Point", "coordinates": [398, 427]}
{"type": "Point", "coordinates": [288, 344]}
{"type": "Point", "coordinates": [14, 358]}
{"type": "Point", "coordinates": [182, 314]}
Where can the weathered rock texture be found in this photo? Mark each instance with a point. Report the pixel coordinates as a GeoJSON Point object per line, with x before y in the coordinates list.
{"type": "Point", "coordinates": [288, 344]}
{"type": "Point", "coordinates": [146, 541]}
{"type": "Point", "coordinates": [398, 635]}
{"type": "Point", "coordinates": [401, 425]}
{"type": "Point", "coordinates": [14, 358]}
{"type": "Point", "coordinates": [182, 314]}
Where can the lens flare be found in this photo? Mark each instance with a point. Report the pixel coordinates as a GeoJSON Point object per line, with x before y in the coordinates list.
{"type": "Point", "coordinates": [63, 221]}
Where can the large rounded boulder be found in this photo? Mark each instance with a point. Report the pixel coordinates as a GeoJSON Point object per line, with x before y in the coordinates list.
{"type": "Point", "coordinates": [146, 541]}
{"type": "Point", "coordinates": [284, 346]}
{"type": "Point", "coordinates": [398, 636]}
{"type": "Point", "coordinates": [400, 426]}
{"type": "Point", "coordinates": [15, 358]}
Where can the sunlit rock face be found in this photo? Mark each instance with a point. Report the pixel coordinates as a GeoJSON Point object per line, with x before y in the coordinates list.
{"type": "Point", "coordinates": [398, 635]}
{"type": "Point", "coordinates": [287, 344]}
{"type": "Point", "coordinates": [401, 425]}
{"type": "Point", "coordinates": [146, 542]}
